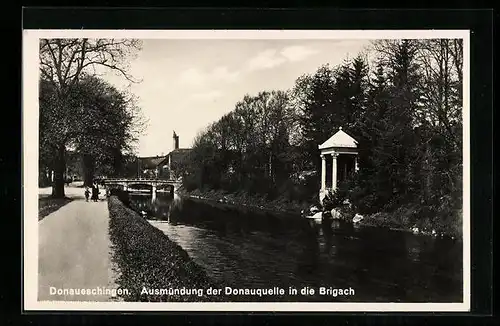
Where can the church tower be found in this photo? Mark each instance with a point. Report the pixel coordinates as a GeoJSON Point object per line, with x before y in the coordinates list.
{"type": "Point", "coordinates": [176, 141]}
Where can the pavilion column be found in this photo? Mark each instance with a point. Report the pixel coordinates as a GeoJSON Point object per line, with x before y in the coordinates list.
{"type": "Point", "coordinates": [323, 172]}
{"type": "Point", "coordinates": [334, 170]}
{"type": "Point", "coordinates": [153, 192]}
{"type": "Point", "coordinates": [356, 167]}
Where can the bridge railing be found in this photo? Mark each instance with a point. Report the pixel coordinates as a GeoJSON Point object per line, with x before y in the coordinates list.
{"type": "Point", "coordinates": [140, 180]}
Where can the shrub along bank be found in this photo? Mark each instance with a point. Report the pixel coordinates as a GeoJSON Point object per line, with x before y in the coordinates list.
{"type": "Point", "coordinates": [442, 218]}
{"type": "Point", "coordinates": [149, 261]}
{"type": "Point", "coordinates": [420, 219]}
{"type": "Point", "coordinates": [250, 201]}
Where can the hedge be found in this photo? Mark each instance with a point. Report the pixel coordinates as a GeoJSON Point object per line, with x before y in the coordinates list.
{"type": "Point", "coordinates": [147, 258]}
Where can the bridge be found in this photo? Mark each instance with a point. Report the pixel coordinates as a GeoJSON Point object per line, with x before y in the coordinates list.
{"type": "Point", "coordinates": [155, 184]}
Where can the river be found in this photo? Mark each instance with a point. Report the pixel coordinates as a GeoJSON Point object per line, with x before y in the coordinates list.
{"type": "Point", "coordinates": [248, 249]}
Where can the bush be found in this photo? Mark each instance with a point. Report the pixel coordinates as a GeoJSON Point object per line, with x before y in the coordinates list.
{"type": "Point", "coordinates": [189, 183]}
{"type": "Point", "coordinates": [123, 196]}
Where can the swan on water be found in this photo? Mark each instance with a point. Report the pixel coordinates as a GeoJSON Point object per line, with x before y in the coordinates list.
{"type": "Point", "coordinates": [335, 214]}
{"type": "Point", "coordinates": [357, 218]}
{"type": "Point", "coordinates": [314, 209]}
{"type": "Point", "coordinates": [318, 216]}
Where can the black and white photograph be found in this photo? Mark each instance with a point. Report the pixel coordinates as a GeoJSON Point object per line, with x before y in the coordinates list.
{"type": "Point", "coordinates": [246, 170]}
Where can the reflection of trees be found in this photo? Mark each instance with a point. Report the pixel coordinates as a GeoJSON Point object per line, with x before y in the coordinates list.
{"type": "Point", "coordinates": [309, 257]}
{"type": "Point", "coordinates": [326, 227]}
{"type": "Point", "coordinates": [174, 208]}
{"type": "Point", "coordinates": [157, 208]}
{"type": "Point", "coordinates": [413, 247]}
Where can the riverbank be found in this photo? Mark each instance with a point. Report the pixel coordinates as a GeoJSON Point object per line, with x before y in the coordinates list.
{"type": "Point", "coordinates": [401, 220]}
{"type": "Point", "coordinates": [221, 198]}
{"type": "Point", "coordinates": [405, 218]}
{"type": "Point", "coordinates": [149, 260]}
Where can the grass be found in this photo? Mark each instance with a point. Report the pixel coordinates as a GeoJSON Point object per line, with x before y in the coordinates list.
{"type": "Point", "coordinates": [147, 258]}
{"type": "Point", "coordinates": [47, 205]}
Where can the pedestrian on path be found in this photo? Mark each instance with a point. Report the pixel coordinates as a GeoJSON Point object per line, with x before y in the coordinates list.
{"type": "Point", "coordinates": [87, 193]}
{"type": "Point", "coordinates": [95, 192]}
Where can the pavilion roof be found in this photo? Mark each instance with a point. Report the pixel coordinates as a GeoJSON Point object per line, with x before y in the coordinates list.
{"type": "Point", "coordinates": [339, 139]}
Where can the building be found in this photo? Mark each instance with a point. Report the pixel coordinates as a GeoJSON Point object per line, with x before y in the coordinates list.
{"type": "Point", "coordinates": [165, 166]}
{"type": "Point", "coordinates": [339, 159]}
{"type": "Point", "coordinates": [149, 167]}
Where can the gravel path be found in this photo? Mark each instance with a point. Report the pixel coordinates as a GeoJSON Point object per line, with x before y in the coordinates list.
{"type": "Point", "coordinates": [75, 250]}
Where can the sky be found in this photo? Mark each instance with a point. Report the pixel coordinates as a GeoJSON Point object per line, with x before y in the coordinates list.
{"type": "Point", "coordinates": [187, 84]}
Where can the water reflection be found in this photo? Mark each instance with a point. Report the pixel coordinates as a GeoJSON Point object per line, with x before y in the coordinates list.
{"type": "Point", "coordinates": [250, 249]}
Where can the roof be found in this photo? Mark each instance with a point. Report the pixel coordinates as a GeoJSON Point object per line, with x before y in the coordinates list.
{"type": "Point", "coordinates": [176, 155]}
{"type": "Point", "coordinates": [340, 139]}
{"type": "Point", "coordinates": [179, 154]}
{"type": "Point", "coordinates": [151, 162]}
{"type": "Point", "coordinates": [181, 150]}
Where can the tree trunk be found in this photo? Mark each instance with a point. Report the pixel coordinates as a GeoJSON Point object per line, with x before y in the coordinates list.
{"type": "Point", "coordinates": [48, 174]}
{"type": "Point", "coordinates": [43, 179]}
{"type": "Point", "coordinates": [270, 166]}
{"type": "Point", "coordinates": [59, 169]}
{"type": "Point", "coordinates": [428, 173]}
{"type": "Point", "coordinates": [88, 170]}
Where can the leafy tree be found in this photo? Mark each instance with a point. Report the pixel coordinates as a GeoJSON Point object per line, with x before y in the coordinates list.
{"type": "Point", "coordinates": [101, 129]}
{"type": "Point", "coordinates": [413, 134]}
{"type": "Point", "coordinates": [248, 147]}
{"type": "Point", "coordinates": [107, 127]}
{"type": "Point", "coordinates": [63, 63]}
{"type": "Point", "coordinates": [405, 113]}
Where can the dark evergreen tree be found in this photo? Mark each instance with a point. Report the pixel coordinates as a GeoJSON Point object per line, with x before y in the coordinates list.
{"type": "Point", "coordinates": [371, 190]}
{"type": "Point", "coordinates": [316, 111]}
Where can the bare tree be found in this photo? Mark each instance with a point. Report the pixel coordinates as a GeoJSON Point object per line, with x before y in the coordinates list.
{"type": "Point", "coordinates": [63, 62]}
{"type": "Point", "coordinates": [440, 65]}
{"type": "Point", "coordinates": [441, 61]}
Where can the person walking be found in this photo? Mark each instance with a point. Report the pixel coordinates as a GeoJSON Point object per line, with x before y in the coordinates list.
{"type": "Point", "coordinates": [95, 193]}
{"type": "Point", "coordinates": [87, 193]}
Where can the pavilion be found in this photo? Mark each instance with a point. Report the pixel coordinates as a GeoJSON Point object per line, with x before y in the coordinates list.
{"type": "Point", "coordinates": [339, 160]}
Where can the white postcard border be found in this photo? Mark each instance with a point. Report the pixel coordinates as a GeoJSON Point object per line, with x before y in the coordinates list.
{"type": "Point", "coordinates": [30, 73]}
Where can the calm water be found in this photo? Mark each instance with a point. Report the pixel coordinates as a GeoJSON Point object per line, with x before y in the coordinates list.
{"type": "Point", "coordinates": [245, 249]}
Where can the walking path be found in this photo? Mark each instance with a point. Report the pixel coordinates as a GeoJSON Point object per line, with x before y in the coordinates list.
{"type": "Point", "coordinates": [75, 250]}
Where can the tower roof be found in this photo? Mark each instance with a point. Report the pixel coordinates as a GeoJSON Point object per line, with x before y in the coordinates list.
{"type": "Point", "coordinates": [339, 139]}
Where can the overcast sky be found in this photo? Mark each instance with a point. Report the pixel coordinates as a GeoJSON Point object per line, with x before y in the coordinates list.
{"type": "Point", "coordinates": [187, 84]}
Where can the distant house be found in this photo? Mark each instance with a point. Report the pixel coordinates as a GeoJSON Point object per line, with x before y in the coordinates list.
{"type": "Point", "coordinates": [174, 161]}
{"type": "Point", "coordinates": [165, 166]}
{"type": "Point", "coordinates": [149, 167]}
